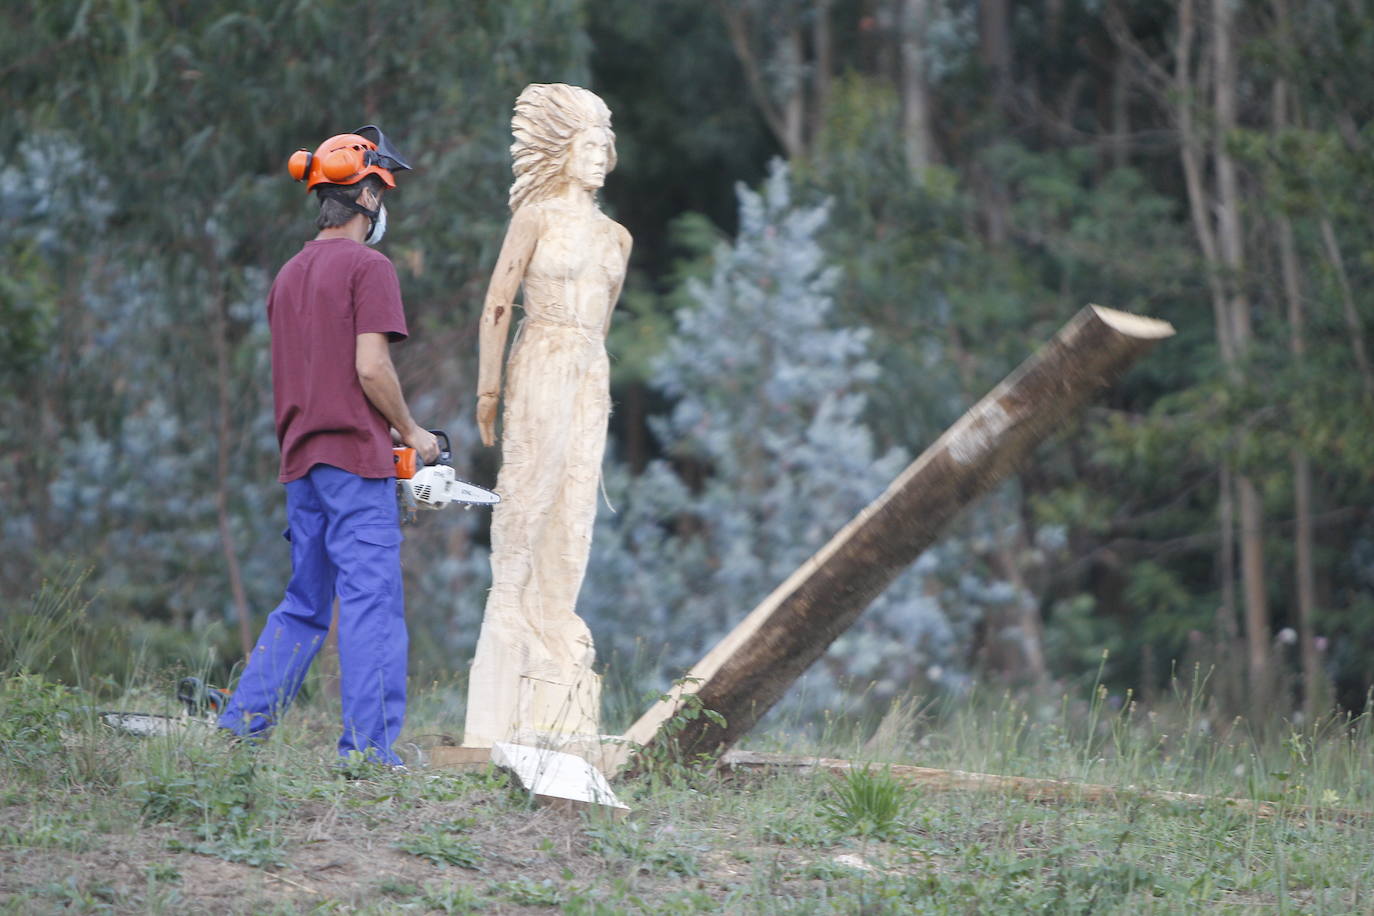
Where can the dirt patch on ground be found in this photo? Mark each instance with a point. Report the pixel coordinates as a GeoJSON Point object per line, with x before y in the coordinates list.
{"type": "Point", "coordinates": [365, 846]}
{"type": "Point", "coordinates": [203, 827]}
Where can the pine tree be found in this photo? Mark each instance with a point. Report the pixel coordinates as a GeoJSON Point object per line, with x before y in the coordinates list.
{"type": "Point", "coordinates": [768, 456]}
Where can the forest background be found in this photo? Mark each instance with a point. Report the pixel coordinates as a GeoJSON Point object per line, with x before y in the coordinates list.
{"type": "Point", "coordinates": [852, 218]}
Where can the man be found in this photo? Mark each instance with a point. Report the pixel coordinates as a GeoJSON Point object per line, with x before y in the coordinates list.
{"type": "Point", "coordinates": [334, 309]}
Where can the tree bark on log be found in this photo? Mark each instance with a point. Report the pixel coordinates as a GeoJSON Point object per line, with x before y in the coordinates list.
{"type": "Point", "coordinates": [749, 670]}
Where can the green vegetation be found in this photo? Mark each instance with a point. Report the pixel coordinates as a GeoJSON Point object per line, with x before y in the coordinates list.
{"type": "Point", "coordinates": [1175, 595]}
{"type": "Point", "coordinates": [203, 823]}
{"type": "Point", "coordinates": [961, 178]}
{"type": "Point", "coordinates": [665, 763]}
{"type": "Point", "coordinates": [292, 835]}
{"type": "Point", "coordinates": [439, 845]}
{"type": "Point", "coordinates": [867, 802]}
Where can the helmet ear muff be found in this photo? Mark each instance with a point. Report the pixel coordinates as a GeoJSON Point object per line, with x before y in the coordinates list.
{"type": "Point", "coordinates": [345, 159]}
{"type": "Point", "coordinates": [341, 163]}
{"type": "Point", "coordinates": [299, 164]}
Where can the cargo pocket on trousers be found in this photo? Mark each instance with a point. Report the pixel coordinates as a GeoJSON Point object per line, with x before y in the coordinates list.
{"type": "Point", "coordinates": [379, 535]}
{"type": "Point", "coordinates": [375, 566]}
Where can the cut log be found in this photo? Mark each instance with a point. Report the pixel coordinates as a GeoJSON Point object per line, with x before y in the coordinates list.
{"type": "Point", "coordinates": [751, 668]}
{"type": "Point", "coordinates": [462, 759]}
{"type": "Point", "coordinates": [1029, 787]}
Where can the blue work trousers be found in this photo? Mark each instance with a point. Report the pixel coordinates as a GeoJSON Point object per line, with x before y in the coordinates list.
{"type": "Point", "coordinates": [346, 540]}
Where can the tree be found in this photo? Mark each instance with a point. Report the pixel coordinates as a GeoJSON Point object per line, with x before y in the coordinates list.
{"type": "Point", "coordinates": [187, 114]}
{"type": "Point", "coordinates": [767, 456]}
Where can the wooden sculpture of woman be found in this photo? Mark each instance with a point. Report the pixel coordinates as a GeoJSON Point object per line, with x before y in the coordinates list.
{"type": "Point", "coordinates": [533, 666]}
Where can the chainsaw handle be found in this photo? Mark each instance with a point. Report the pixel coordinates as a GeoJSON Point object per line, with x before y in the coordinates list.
{"type": "Point", "coordinates": [445, 450]}
{"type": "Point", "coordinates": [408, 460]}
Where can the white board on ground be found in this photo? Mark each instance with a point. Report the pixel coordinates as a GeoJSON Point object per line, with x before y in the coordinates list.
{"type": "Point", "coordinates": [557, 779]}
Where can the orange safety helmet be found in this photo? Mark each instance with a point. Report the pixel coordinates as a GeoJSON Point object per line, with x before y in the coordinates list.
{"type": "Point", "coordinates": [348, 159]}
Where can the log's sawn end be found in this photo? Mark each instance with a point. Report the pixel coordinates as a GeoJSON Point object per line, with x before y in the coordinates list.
{"type": "Point", "coordinates": [1132, 325]}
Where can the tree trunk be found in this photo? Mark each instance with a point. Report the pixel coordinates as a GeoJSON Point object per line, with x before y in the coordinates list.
{"type": "Point", "coordinates": [1230, 237]}
{"type": "Point", "coordinates": [1302, 478]}
{"type": "Point", "coordinates": [635, 412]}
{"type": "Point", "coordinates": [994, 37]}
{"type": "Point", "coordinates": [1229, 623]}
{"type": "Point", "coordinates": [1121, 112]}
{"type": "Point", "coordinates": [994, 42]}
{"type": "Point", "coordinates": [749, 670]}
{"type": "Point", "coordinates": [1352, 317]}
{"type": "Point", "coordinates": [1253, 591]}
{"type": "Point", "coordinates": [1024, 616]}
{"type": "Point", "coordinates": [1313, 694]}
{"type": "Point", "coordinates": [224, 431]}
{"type": "Point", "coordinates": [794, 106]}
{"type": "Point", "coordinates": [737, 26]}
{"type": "Point", "coordinates": [824, 70]}
{"type": "Point", "coordinates": [917, 140]}
{"type": "Point", "coordinates": [1199, 207]}
{"type": "Point", "coordinates": [1302, 470]}
{"type": "Point", "coordinates": [1231, 244]}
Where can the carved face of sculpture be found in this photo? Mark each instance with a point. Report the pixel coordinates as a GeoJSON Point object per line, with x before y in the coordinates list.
{"type": "Point", "coordinates": [588, 155]}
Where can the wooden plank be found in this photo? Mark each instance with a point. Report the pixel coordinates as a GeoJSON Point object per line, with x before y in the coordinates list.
{"type": "Point", "coordinates": [751, 668]}
{"type": "Point", "coordinates": [601, 751]}
{"type": "Point", "coordinates": [465, 759]}
{"type": "Point", "coordinates": [1028, 787]}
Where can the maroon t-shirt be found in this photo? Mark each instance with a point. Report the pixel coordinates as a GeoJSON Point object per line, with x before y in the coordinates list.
{"type": "Point", "coordinates": [321, 300]}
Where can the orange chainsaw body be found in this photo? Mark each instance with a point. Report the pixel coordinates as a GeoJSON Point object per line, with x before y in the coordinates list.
{"type": "Point", "coordinates": [407, 462]}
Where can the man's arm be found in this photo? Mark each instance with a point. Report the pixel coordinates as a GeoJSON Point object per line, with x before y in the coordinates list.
{"type": "Point", "coordinates": [377, 375]}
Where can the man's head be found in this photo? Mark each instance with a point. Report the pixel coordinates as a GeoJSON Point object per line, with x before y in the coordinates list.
{"type": "Point", "coordinates": [350, 173]}
{"type": "Point", "coordinates": [334, 201]}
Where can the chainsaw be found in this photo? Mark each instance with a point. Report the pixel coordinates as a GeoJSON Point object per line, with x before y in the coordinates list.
{"type": "Point", "coordinates": [434, 486]}
{"type": "Point", "coordinates": [201, 703]}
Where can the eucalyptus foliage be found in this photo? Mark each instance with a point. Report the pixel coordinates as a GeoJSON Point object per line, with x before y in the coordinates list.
{"type": "Point", "coordinates": [143, 211]}
{"type": "Point", "coordinates": [144, 207]}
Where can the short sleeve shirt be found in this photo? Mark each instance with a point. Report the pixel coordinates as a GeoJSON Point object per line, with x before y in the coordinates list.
{"type": "Point", "coordinates": [321, 300]}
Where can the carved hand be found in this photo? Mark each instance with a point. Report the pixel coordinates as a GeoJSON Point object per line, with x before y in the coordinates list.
{"type": "Point", "coordinates": [486, 417]}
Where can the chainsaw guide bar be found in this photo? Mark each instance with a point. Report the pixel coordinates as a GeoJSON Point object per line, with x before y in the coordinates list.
{"type": "Point", "coordinates": [420, 486]}
{"type": "Point", "coordinates": [146, 725]}
{"type": "Point", "coordinates": [201, 702]}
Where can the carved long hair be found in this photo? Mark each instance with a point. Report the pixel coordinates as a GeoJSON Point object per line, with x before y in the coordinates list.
{"type": "Point", "coordinates": [547, 117]}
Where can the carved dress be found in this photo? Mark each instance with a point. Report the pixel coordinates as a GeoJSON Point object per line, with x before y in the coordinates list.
{"type": "Point", "coordinates": [533, 666]}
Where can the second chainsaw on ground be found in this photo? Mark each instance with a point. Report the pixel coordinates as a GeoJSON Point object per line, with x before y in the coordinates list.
{"type": "Point", "coordinates": [434, 486]}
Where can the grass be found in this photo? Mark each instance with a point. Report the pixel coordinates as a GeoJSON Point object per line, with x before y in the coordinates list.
{"type": "Point", "coordinates": [440, 844]}
{"type": "Point", "coordinates": [867, 802]}
{"type": "Point", "coordinates": [228, 830]}
{"type": "Point", "coordinates": [91, 821]}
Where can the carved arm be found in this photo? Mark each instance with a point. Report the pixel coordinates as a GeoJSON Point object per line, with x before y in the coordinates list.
{"type": "Point", "coordinates": [521, 238]}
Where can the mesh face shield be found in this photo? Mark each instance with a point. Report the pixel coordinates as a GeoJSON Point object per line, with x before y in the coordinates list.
{"type": "Point", "coordinates": [386, 155]}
